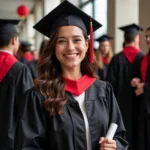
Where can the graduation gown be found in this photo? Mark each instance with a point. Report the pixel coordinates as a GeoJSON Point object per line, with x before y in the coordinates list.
{"type": "Point", "coordinates": [30, 62]}
{"type": "Point", "coordinates": [144, 117]}
{"type": "Point", "coordinates": [120, 73]}
{"type": "Point", "coordinates": [102, 73]}
{"type": "Point", "coordinates": [37, 130]}
{"type": "Point", "coordinates": [15, 80]}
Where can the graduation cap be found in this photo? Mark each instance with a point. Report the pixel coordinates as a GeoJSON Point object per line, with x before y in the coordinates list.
{"type": "Point", "coordinates": [7, 26]}
{"type": "Point", "coordinates": [25, 44]}
{"type": "Point", "coordinates": [132, 28]}
{"type": "Point", "coordinates": [104, 37]}
{"type": "Point", "coordinates": [66, 14]}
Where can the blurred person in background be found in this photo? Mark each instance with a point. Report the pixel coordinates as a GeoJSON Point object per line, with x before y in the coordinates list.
{"type": "Point", "coordinates": [104, 55]}
{"type": "Point", "coordinates": [15, 79]}
{"type": "Point", "coordinates": [123, 67]}
{"type": "Point", "coordinates": [26, 57]}
{"type": "Point", "coordinates": [142, 91]}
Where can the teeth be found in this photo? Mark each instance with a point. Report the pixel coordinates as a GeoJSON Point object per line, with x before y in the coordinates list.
{"type": "Point", "coordinates": [70, 55]}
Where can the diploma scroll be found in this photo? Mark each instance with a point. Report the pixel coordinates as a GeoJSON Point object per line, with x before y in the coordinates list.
{"type": "Point", "coordinates": [111, 131]}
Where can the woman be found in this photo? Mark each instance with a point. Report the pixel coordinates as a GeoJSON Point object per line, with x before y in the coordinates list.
{"type": "Point", "coordinates": [142, 92]}
{"type": "Point", "coordinates": [68, 109]}
{"type": "Point", "coordinates": [104, 55]}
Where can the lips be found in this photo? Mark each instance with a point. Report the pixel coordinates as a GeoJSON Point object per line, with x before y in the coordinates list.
{"type": "Point", "coordinates": [71, 56]}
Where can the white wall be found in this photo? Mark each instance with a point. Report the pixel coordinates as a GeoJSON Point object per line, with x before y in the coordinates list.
{"type": "Point", "coordinates": [127, 12]}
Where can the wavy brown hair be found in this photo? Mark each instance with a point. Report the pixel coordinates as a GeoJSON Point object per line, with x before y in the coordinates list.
{"type": "Point", "coordinates": [50, 83]}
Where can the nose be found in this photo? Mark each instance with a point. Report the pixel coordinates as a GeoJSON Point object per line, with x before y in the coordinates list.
{"type": "Point", "coordinates": [71, 46]}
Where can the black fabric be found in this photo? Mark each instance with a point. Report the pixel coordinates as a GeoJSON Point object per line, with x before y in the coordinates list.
{"type": "Point", "coordinates": [7, 26]}
{"type": "Point", "coordinates": [32, 67]}
{"type": "Point", "coordinates": [37, 130]}
{"type": "Point", "coordinates": [65, 14]}
{"type": "Point", "coordinates": [17, 81]}
{"type": "Point", "coordinates": [102, 73]}
{"type": "Point", "coordinates": [144, 117]}
{"type": "Point", "coordinates": [120, 74]}
{"type": "Point", "coordinates": [131, 28]}
{"type": "Point", "coordinates": [104, 37]}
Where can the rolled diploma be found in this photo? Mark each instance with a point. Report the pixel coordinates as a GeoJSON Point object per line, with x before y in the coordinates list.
{"type": "Point", "coordinates": [111, 131]}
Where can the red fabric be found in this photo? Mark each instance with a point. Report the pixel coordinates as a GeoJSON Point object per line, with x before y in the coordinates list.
{"type": "Point", "coordinates": [130, 52]}
{"type": "Point", "coordinates": [144, 66]}
{"type": "Point", "coordinates": [105, 61]}
{"type": "Point", "coordinates": [77, 87]}
{"type": "Point", "coordinates": [28, 57]}
{"type": "Point", "coordinates": [6, 62]}
{"type": "Point", "coordinates": [91, 49]}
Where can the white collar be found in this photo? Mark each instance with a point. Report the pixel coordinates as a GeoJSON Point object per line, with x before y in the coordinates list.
{"type": "Point", "coordinates": [6, 51]}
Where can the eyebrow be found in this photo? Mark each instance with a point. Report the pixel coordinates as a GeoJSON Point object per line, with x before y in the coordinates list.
{"type": "Point", "coordinates": [75, 36]}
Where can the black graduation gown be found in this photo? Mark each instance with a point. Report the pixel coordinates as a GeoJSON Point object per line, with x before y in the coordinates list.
{"type": "Point", "coordinates": [143, 142]}
{"type": "Point", "coordinates": [31, 65]}
{"type": "Point", "coordinates": [120, 74]}
{"type": "Point", "coordinates": [15, 83]}
{"type": "Point", "coordinates": [102, 73]}
{"type": "Point", "coordinates": [37, 130]}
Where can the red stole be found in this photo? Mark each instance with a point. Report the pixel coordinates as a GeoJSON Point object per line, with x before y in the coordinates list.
{"type": "Point", "coordinates": [6, 62]}
{"type": "Point", "coordinates": [28, 57]}
{"type": "Point", "coordinates": [105, 61]}
{"type": "Point", "coordinates": [77, 87]}
{"type": "Point", "coordinates": [144, 66]}
{"type": "Point", "coordinates": [130, 52]}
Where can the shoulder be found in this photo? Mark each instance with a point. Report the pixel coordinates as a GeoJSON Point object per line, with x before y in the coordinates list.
{"type": "Point", "coordinates": [102, 87]}
{"type": "Point", "coordinates": [16, 69]}
{"type": "Point", "coordinates": [33, 96]}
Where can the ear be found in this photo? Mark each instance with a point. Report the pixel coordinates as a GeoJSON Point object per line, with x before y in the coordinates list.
{"type": "Point", "coordinates": [14, 40]}
{"type": "Point", "coordinates": [87, 44]}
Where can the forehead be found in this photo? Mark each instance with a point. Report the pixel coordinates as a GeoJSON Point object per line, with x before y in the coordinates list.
{"type": "Point", "coordinates": [70, 30]}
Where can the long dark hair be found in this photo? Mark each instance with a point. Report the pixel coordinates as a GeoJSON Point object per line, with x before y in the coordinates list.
{"type": "Point", "coordinates": [50, 83]}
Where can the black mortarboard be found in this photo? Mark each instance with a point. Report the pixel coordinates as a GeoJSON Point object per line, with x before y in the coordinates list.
{"type": "Point", "coordinates": [25, 44]}
{"type": "Point", "coordinates": [7, 26]}
{"type": "Point", "coordinates": [65, 14]}
{"type": "Point", "coordinates": [104, 37]}
{"type": "Point", "coordinates": [132, 28]}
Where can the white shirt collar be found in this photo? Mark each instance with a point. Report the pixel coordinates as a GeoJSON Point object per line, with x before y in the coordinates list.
{"type": "Point", "coordinates": [6, 51]}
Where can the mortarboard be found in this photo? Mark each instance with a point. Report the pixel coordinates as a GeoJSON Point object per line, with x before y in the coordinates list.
{"type": "Point", "coordinates": [25, 44]}
{"type": "Point", "coordinates": [132, 28]}
{"type": "Point", "coordinates": [7, 26]}
{"type": "Point", "coordinates": [65, 14]}
{"type": "Point", "coordinates": [104, 37]}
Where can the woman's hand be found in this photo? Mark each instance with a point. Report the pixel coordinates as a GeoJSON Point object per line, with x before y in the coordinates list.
{"type": "Point", "coordinates": [135, 82]}
{"type": "Point", "coordinates": [107, 144]}
{"type": "Point", "coordinates": [139, 89]}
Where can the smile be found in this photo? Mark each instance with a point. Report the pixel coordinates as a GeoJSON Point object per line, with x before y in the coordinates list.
{"type": "Point", "coordinates": [71, 56]}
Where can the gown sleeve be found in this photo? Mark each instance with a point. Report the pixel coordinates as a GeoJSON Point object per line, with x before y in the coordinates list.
{"type": "Point", "coordinates": [31, 131]}
{"type": "Point", "coordinates": [146, 96]}
{"type": "Point", "coordinates": [112, 74]}
{"type": "Point", "coordinates": [24, 82]}
{"type": "Point", "coordinates": [115, 117]}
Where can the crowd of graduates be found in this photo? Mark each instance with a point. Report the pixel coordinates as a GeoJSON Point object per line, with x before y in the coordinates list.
{"type": "Point", "coordinates": [47, 102]}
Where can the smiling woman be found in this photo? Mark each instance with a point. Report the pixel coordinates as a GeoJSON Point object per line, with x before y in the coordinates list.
{"type": "Point", "coordinates": [72, 110]}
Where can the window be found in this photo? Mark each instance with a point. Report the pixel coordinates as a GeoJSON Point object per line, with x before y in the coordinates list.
{"type": "Point", "coordinates": [98, 10]}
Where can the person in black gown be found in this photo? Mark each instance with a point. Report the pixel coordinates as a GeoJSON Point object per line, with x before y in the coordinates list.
{"type": "Point", "coordinates": [27, 58]}
{"type": "Point", "coordinates": [142, 91]}
{"type": "Point", "coordinates": [103, 55]}
{"type": "Point", "coordinates": [69, 108]}
{"type": "Point", "coordinates": [122, 68]}
{"type": "Point", "coordinates": [15, 80]}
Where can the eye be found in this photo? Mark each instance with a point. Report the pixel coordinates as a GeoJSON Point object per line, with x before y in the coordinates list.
{"type": "Point", "coordinates": [61, 41]}
{"type": "Point", "coordinates": [77, 40]}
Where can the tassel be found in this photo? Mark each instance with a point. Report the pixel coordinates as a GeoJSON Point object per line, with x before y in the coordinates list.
{"type": "Point", "coordinates": [91, 50]}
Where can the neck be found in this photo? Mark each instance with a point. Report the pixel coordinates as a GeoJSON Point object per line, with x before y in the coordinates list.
{"type": "Point", "coordinates": [74, 74]}
{"type": "Point", "coordinates": [7, 48]}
